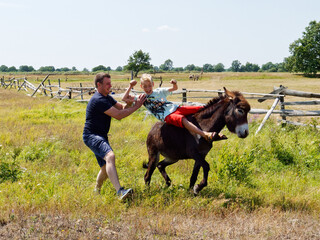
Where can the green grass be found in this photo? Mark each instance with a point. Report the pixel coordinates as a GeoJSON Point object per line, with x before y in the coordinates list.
{"type": "Point", "coordinates": [45, 165]}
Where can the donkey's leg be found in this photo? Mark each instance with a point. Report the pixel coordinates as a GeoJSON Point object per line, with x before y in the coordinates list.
{"type": "Point", "coordinates": [162, 168]}
{"type": "Point", "coordinates": [153, 161]}
{"type": "Point", "coordinates": [195, 173]}
{"type": "Point", "coordinates": [205, 166]}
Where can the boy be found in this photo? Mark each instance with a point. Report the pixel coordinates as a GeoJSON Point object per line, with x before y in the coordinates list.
{"type": "Point", "coordinates": [156, 102]}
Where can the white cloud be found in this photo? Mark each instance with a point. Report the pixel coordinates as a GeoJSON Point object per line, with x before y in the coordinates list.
{"type": "Point", "coordinates": [167, 28]}
{"type": "Point", "coordinates": [145, 30]}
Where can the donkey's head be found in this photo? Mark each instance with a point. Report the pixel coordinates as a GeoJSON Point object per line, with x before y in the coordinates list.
{"type": "Point", "coordinates": [236, 113]}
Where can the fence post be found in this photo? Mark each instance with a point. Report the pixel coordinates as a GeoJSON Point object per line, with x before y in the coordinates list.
{"type": "Point", "coordinates": [283, 116]}
{"type": "Point", "coordinates": [268, 114]}
{"type": "Point", "coordinates": [50, 88]}
{"type": "Point", "coordinates": [81, 91]}
{"type": "Point", "coordinates": [40, 85]}
{"type": "Point", "coordinates": [184, 95]}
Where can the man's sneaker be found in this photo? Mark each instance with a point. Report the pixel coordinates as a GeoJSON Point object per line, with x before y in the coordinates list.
{"type": "Point", "coordinates": [96, 191]}
{"type": "Point", "coordinates": [124, 193]}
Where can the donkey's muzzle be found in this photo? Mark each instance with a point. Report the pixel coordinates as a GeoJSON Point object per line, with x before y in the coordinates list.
{"type": "Point", "coordinates": [242, 130]}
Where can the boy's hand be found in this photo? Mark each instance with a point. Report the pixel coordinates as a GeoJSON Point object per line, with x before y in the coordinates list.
{"type": "Point", "coordinates": [133, 83]}
{"type": "Point", "coordinates": [173, 81]}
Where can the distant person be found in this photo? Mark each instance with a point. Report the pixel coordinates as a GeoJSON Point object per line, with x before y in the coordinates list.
{"type": "Point", "coordinates": [100, 109]}
{"type": "Point", "coordinates": [156, 102]}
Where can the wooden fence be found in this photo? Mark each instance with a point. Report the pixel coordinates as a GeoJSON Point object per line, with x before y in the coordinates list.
{"type": "Point", "coordinates": [278, 95]}
{"type": "Point", "coordinates": [54, 91]}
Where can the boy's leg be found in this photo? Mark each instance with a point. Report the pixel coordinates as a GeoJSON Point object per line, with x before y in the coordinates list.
{"type": "Point", "coordinates": [209, 136]}
{"type": "Point", "coordinates": [191, 127]}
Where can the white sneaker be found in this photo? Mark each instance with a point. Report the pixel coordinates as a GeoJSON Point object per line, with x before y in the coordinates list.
{"type": "Point", "coordinates": [124, 193]}
{"type": "Point", "coordinates": [97, 191]}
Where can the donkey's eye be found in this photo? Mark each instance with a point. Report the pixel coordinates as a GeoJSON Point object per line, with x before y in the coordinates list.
{"type": "Point", "coordinates": [240, 111]}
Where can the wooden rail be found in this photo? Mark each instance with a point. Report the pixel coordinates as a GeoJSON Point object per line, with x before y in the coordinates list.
{"type": "Point", "coordinates": [278, 94]}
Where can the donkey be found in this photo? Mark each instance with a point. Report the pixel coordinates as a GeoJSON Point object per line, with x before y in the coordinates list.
{"type": "Point", "coordinates": [176, 143]}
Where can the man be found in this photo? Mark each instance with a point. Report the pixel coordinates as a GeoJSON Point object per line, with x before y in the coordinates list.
{"type": "Point", "coordinates": [100, 109]}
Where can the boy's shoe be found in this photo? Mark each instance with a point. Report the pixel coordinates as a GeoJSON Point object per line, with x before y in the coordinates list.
{"type": "Point", "coordinates": [124, 193]}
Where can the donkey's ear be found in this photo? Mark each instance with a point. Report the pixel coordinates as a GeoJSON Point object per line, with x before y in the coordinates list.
{"type": "Point", "coordinates": [229, 94]}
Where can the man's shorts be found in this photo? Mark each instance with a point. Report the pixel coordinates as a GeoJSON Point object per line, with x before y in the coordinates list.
{"type": "Point", "coordinates": [176, 117]}
{"type": "Point", "coordinates": [98, 145]}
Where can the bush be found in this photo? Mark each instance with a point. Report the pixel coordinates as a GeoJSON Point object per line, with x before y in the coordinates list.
{"type": "Point", "coordinates": [9, 171]}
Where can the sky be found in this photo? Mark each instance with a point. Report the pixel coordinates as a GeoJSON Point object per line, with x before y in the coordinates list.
{"type": "Point", "coordinates": [88, 33]}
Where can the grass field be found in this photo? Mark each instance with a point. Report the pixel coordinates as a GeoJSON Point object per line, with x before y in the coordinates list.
{"type": "Point", "coordinates": [266, 186]}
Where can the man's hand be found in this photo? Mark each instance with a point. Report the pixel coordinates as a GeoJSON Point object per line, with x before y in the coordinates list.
{"type": "Point", "coordinates": [140, 100]}
{"type": "Point", "coordinates": [133, 83]}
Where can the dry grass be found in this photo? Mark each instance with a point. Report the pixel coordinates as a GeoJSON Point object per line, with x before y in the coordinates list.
{"type": "Point", "coordinates": [139, 224]}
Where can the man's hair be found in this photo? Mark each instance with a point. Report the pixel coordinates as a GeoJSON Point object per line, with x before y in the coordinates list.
{"type": "Point", "coordinates": [145, 78]}
{"type": "Point", "coordinates": [99, 78]}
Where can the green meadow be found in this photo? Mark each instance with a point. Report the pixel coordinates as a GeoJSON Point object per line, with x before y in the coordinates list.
{"type": "Point", "coordinates": [266, 186]}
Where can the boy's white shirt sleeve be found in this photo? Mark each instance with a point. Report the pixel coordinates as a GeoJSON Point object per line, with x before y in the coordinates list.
{"type": "Point", "coordinates": [164, 91]}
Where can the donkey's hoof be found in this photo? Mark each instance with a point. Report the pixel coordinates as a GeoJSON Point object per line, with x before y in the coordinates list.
{"type": "Point", "coordinates": [196, 189]}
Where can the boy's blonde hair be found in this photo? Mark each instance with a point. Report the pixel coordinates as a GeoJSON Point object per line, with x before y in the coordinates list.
{"type": "Point", "coordinates": [145, 78]}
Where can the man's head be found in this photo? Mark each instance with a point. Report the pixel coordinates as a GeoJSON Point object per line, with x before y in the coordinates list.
{"type": "Point", "coordinates": [146, 83]}
{"type": "Point", "coordinates": [102, 82]}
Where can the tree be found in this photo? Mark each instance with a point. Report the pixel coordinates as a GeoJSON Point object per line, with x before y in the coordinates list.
{"type": "Point", "coordinates": [219, 67]}
{"type": "Point", "coordinates": [190, 67]}
{"type": "Point", "coordinates": [305, 51]}
{"type": "Point", "coordinates": [3, 68]}
{"type": "Point", "coordinates": [99, 68]}
{"type": "Point", "coordinates": [12, 69]}
{"type": "Point", "coordinates": [250, 67]}
{"type": "Point", "coordinates": [269, 67]}
{"type": "Point", "coordinates": [178, 69]}
{"type": "Point", "coordinates": [208, 67]}
{"type": "Point", "coordinates": [235, 66]}
{"type": "Point", "coordinates": [119, 69]}
{"type": "Point", "coordinates": [25, 68]}
{"type": "Point", "coordinates": [65, 69]}
{"type": "Point", "coordinates": [167, 66]}
{"type": "Point", "coordinates": [47, 69]}
{"type": "Point", "coordinates": [138, 61]}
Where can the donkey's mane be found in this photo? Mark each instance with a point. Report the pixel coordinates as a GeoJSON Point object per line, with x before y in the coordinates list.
{"type": "Point", "coordinates": [208, 108]}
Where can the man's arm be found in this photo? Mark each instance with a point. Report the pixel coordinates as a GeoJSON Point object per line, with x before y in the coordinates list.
{"type": "Point", "coordinates": [118, 113]}
{"type": "Point", "coordinates": [119, 106]}
{"type": "Point", "coordinates": [174, 85]}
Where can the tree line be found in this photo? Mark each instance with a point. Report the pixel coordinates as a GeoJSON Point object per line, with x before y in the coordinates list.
{"type": "Point", "coordinates": [304, 58]}
{"type": "Point", "coordinates": [236, 66]}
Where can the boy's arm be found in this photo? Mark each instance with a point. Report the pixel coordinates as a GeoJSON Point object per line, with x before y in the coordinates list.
{"type": "Point", "coordinates": [126, 96]}
{"type": "Point", "coordinates": [174, 85]}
